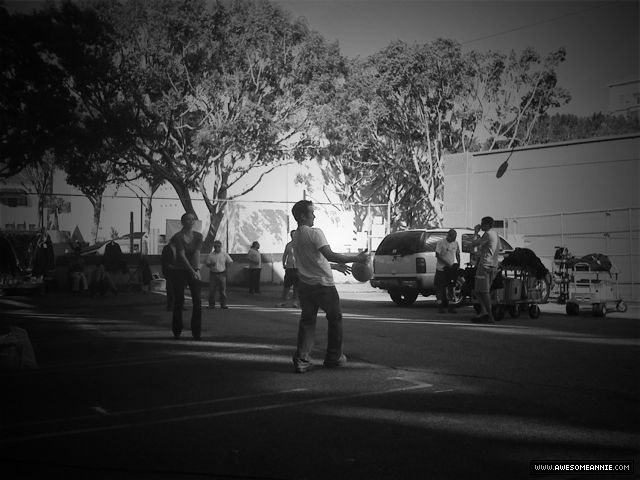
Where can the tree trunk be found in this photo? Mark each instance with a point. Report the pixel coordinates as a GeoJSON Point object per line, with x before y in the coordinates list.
{"type": "Point", "coordinates": [97, 210]}
{"type": "Point", "coordinates": [148, 209]}
{"type": "Point", "coordinates": [184, 195]}
{"type": "Point", "coordinates": [216, 215]}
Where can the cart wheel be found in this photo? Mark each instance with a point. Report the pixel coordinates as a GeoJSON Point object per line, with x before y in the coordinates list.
{"type": "Point", "coordinates": [514, 311]}
{"type": "Point", "coordinates": [534, 311]}
{"type": "Point", "coordinates": [498, 312]}
{"type": "Point", "coordinates": [599, 309]}
{"type": "Point", "coordinates": [621, 306]}
{"type": "Point", "coordinates": [572, 309]}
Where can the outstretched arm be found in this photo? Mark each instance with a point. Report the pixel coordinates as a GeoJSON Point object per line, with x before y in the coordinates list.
{"type": "Point", "coordinates": [362, 257]}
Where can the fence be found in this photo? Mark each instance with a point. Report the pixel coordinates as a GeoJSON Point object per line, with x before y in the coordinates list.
{"type": "Point", "coordinates": [348, 227]}
{"type": "Point", "coordinates": [612, 232]}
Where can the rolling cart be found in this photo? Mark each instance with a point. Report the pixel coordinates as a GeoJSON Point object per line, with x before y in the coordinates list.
{"type": "Point", "coordinates": [522, 292]}
{"type": "Point", "coordinates": [594, 288]}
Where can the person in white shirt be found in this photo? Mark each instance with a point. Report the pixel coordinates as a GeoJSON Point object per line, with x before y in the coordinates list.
{"type": "Point", "coordinates": [255, 266]}
{"type": "Point", "coordinates": [316, 289]}
{"type": "Point", "coordinates": [218, 262]}
{"type": "Point", "coordinates": [447, 261]}
{"type": "Point", "coordinates": [290, 274]}
{"type": "Point", "coordinates": [487, 267]}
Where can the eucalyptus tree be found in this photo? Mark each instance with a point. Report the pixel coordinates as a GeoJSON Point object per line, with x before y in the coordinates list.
{"type": "Point", "coordinates": [418, 86]}
{"type": "Point", "coordinates": [36, 109]}
{"type": "Point", "coordinates": [511, 92]}
{"type": "Point", "coordinates": [215, 91]}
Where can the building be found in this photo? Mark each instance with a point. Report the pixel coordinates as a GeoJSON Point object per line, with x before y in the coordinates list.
{"type": "Point", "coordinates": [624, 97]}
{"type": "Point", "coordinates": [584, 195]}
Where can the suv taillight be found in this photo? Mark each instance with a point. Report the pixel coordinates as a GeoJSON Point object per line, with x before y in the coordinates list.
{"type": "Point", "coordinates": [421, 265]}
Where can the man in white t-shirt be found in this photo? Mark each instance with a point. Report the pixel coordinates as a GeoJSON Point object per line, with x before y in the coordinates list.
{"type": "Point", "coordinates": [316, 288]}
{"type": "Point", "coordinates": [447, 257]}
{"type": "Point", "coordinates": [218, 262]}
{"type": "Point", "coordinates": [487, 267]}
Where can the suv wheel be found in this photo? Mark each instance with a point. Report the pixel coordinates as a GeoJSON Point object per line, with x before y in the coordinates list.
{"type": "Point", "coordinates": [404, 299]}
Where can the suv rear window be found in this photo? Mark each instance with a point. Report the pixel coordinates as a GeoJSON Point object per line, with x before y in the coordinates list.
{"type": "Point", "coordinates": [408, 243]}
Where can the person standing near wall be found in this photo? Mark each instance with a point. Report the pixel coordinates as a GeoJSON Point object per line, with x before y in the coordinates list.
{"type": "Point", "coordinates": [255, 267]}
{"type": "Point", "coordinates": [187, 244]}
{"type": "Point", "coordinates": [218, 262]}
{"type": "Point", "coordinates": [486, 268]}
{"type": "Point", "coordinates": [316, 289]}
{"type": "Point", "coordinates": [290, 274]}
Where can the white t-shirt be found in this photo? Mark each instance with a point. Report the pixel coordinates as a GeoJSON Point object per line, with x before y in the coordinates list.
{"type": "Point", "coordinates": [489, 251]}
{"type": "Point", "coordinates": [217, 262]}
{"type": "Point", "coordinates": [313, 267]}
{"type": "Point", "coordinates": [448, 251]}
{"type": "Point", "coordinates": [255, 259]}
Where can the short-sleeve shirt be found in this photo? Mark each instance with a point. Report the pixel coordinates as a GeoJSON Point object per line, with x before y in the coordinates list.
{"type": "Point", "coordinates": [189, 248]}
{"type": "Point", "coordinates": [447, 250]}
{"type": "Point", "coordinates": [313, 267]}
{"type": "Point", "coordinates": [218, 261]}
{"type": "Point", "coordinates": [488, 255]}
{"type": "Point", "coordinates": [255, 259]}
{"type": "Point", "coordinates": [289, 258]}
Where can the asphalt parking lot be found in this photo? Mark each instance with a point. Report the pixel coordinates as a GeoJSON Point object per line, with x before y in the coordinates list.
{"type": "Point", "coordinates": [425, 395]}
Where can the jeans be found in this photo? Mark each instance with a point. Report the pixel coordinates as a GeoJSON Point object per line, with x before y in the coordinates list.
{"type": "Point", "coordinates": [180, 278]}
{"type": "Point", "coordinates": [169, 288]}
{"type": "Point", "coordinates": [254, 280]}
{"type": "Point", "coordinates": [217, 282]}
{"type": "Point", "coordinates": [313, 297]}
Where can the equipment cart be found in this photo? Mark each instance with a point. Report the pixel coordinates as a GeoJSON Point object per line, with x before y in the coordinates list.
{"type": "Point", "coordinates": [522, 291]}
{"type": "Point", "coordinates": [594, 288]}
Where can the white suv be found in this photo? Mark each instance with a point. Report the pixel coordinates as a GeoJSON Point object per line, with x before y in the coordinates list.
{"type": "Point", "coordinates": [404, 263]}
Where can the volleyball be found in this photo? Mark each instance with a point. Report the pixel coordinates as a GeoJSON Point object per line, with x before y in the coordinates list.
{"type": "Point", "coordinates": [361, 272]}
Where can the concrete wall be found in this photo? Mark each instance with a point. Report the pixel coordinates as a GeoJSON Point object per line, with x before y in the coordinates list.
{"type": "Point", "coordinates": [584, 195]}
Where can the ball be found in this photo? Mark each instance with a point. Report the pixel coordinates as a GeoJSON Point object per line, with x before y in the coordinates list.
{"type": "Point", "coordinates": [361, 272]}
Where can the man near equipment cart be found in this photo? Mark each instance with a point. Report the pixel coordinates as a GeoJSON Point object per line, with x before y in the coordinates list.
{"type": "Point", "coordinates": [487, 267]}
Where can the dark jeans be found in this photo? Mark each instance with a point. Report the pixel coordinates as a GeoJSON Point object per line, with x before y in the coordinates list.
{"type": "Point", "coordinates": [179, 280]}
{"type": "Point", "coordinates": [254, 280]}
{"type": "Point", "coordinates": [442, 280]}
{"type": "Point", "coordinates": [169, 288]}
{"type": "Point", "coordinates": [312, 298]}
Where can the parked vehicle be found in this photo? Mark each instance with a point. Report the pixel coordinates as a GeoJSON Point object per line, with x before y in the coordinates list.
{"type": "Point", "coordinates": [404, 263]}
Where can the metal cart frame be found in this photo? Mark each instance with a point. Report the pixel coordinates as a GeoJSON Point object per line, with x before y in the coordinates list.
{"type": "Point", "coordinates": [594, 288]}
{"type": "Point", "coordinates": [521, 291]}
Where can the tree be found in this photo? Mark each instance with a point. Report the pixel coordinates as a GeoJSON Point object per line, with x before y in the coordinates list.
{"type": "Point", "coordinates": [511, 93]}
{"type": "Point", "coordinates": [418, 85]}
{"type": "Point", "coordinates": [36, 110]}
{"type": "Point", "coordinates": [39, 176]}
{"type": "Point", "coordinates": [565, 127]}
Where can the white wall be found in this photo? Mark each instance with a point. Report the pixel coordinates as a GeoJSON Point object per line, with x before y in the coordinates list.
{"type": "Point", "coordinates": [542, 182]}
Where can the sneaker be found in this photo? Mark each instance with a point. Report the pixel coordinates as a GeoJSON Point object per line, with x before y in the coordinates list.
{"type": "Point", "coordinates": [210, 307]}
{"type": "Point", "coordinates": [177, 336]}
{"type": "Point", "coordinates": [224, 307]}
{"type": "Point", "coordinates": [341, 362]}
{"type": "Point", "coordinates": [302, 367]}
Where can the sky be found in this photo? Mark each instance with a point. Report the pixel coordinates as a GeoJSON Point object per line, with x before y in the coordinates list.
{"type": "Point", "coordinates": [602, 39]}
